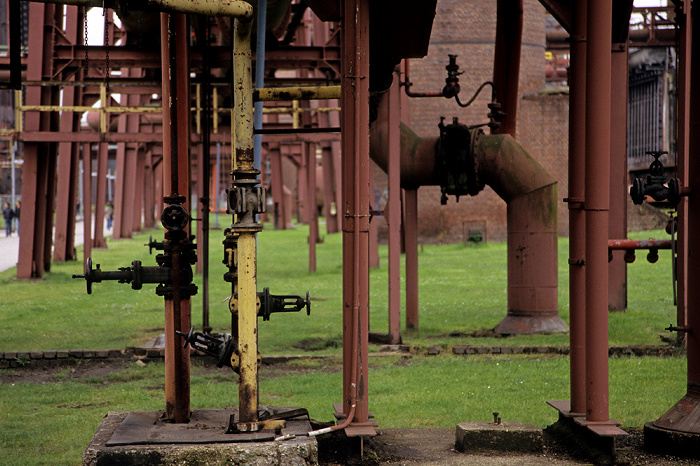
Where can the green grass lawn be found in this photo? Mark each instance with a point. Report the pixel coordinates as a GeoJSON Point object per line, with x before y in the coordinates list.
{"type": "Point", "coordinates": [462, 290]}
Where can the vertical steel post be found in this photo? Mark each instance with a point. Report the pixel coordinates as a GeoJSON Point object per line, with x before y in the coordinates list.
{"type": "Point", "coordinates": [506, 62]}
{"type": "Point", "coordinates": [411, 245]}
{"type": "Point", "coordinates": [617, 268]}
{"type": "Point", "coordinates": [393, 211]}
{"type": "Point", "coordinates": [175, 65]}
{"type": "Point", "coordinates": [577, 216]}
{"type": "Point", "coordinates": [356, 196]}
{"type": "Point", "coordinates": [245, 227]}
{"type": "Point", "coordinates": [685, 35]}
{"type": "Point", "coordinates": [597, 188]}
{"type": "Point", "coordinates": [87, 204]}
{"type": "Point", "coordinates": [683, 416]}
{"type": "Point", "coordinates": [311, 204]}
{"type": "Point", "coordinates": [101, 196]}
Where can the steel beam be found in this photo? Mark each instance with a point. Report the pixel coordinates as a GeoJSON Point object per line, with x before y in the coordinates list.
{"type": "Point", "coordinates": [393, 211]}
{"type": "Point", "coordinates": [101, 195]}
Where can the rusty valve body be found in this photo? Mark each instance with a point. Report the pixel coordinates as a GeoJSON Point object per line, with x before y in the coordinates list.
{"type": "Point", "coordinates": [656, 185]}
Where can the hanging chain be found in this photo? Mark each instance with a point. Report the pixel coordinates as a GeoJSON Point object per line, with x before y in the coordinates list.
{"type": "Point", "coordinates": [106, 52]}
{"type": "Point", "coordinates": [85, 26]}
{"type": "Point", "coordinates": [140, 29]}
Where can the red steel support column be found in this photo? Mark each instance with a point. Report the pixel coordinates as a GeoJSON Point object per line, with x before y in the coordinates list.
{"type": "Point", "coordinates": [101, 196]}
{"type": "Point", "coordinates": [683, 416]}
{"type": "Point", "coordinates": [577, 216]}
{"type": "Point", "coordinates": [597, 188]}
{"type": "Point", "coordinates": [355, 140]}
{"type": "Point", "coordinates": [617, 268]}
{"type": "Point", "coordinates": [277, 185]}
{"type": "Point", "coordinates": [38, 157]}
{"type": "Point", "coordinates": [64, 248]}
{"type": "Point", "coordinates": [685, 30]}
{"type": "Point", "coordinates": [411, 244]}
{"type": "Point", "coordinates": [312, 211]}
{"type": "Point", "coordinates": [176, 132]}
{"type": "Point", "coordinates": [302, 184]}
{"type": "Point", "coordinates": [87, 204]}
{"type": "Point", "coordinates": [137, 209]}
{"type": "Point", "coordinates": [506, 66]}
{"type": "Point", "coordinates": [373, 228]}
{"type": "Point", "coordinates": [393, 211]}
{"type": "Point", "coordinates": [149, 191]}
{"type": "Point", "coordinates": [121, 188]}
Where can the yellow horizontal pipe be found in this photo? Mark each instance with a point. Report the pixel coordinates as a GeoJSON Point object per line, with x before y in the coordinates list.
{"type": "Point", "coordinates": [271, 94]}
{"type": "Point", "coordinates": [79, 108]}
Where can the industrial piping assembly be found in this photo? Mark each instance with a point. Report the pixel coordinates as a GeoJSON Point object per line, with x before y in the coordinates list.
{"type": "Point", "coordinates": [462, 161]}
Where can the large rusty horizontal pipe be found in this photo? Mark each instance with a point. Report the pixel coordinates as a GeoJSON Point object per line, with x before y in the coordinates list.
{"type": "Point", "coordinates": [231, 8]}
{"type": "Point", "coordinates": [531, 197]}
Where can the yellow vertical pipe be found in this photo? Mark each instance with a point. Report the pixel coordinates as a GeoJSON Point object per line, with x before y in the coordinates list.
{"type": "Point", "coordinates": [247, 328]}
{"type": "Point", "coordinates": [243, 168]}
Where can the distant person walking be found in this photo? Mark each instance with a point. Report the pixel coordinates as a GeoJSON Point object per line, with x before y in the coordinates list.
{"type": "Point", "coordinates": [18, 205]}
{"type": "Point", "coordinates": [109, 213]}
{"type": "Point", "coordinates": [7, 214]}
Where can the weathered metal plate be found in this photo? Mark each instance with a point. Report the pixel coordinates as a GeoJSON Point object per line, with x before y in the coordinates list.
{"type": "Point", "coordinates": [608, 428]}
{"type": "Point", "coordinates": [684, 416]}
{"type": "Point", "coordinates": [205, 426]}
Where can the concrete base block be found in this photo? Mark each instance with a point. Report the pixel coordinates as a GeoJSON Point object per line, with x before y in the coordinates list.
{"type": "Point", "coordinates": [506, 436]}
{"type": "Point", "coordinates": [299, 451]}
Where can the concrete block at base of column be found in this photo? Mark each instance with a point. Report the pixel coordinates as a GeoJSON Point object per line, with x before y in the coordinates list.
{"type": "Point", "coordinates": [506, 436]}
{"type": "Point", "coordinates": [201, 441]}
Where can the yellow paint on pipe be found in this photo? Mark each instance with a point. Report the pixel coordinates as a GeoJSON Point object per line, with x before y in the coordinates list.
{"type": "Point", "coordinates": [270, 94]}
{"type": "Point", "coordinates": [242, 98]}
{"type": "Point", "coordinates": [247, 327]}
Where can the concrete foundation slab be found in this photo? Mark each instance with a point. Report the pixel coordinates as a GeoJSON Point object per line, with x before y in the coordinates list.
{"type": "Point", "coordinates": [142, 440]}
{"type": "Point", "coordinates": [506, 436]}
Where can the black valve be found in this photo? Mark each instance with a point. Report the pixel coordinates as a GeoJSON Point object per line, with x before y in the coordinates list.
{"type": "Point", "coordinates": [157, 245]}
{"type": "Point", "coordinates": [174, 217]}
{"type": "Point", "coordinates": [656, 184]}
{"type": "Point", "coordinates": [137, 275]}
{"type": "Point", "coordinates": [221, 349]}
{"type": "Point", "coordinates": [452, 87]}
{"type": "Point", "coordinates": [282, 303]}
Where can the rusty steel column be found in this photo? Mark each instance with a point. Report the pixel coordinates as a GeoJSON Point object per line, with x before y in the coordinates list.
{"type": "Point", "coordinates": [393, 210]}
{"type": "Point", "coordinates": [577, 216]}
{"type": "Point", "coordinates": [685, 29]}
{"type": "Point", "coordinates": [277, 186]}
{"type": "Point", "coordinates": [597, 188]}
{"type": "Point", "coordinates": [121, 188]}
{"type": "Point", "coordinates": [87, 204]}
{"type": "Point", "coordinates": [684, 416]}
{"type": "Point", "coordinates": [311, 204]}
{"type": "Point", "coordinates": [617, 269]}
{"type": "Point", "coordinates": [138, 190]}
{"type": "Point", "coordinates": [101, 195]}
{"type": "Point", "coordinates": [175, 79]}
{"type": "Point", "coordinates": [149, 192]}
{"type": "Point", "coordinates": [302, 185]}
{"type": "Point", "coordinates": [356, 198]}
{"type": "Point", "coordinates": [411, 244]}
{"type": "Point", "coordinates": [373, 229]}
{"type": "Point", "coordinates": [64, 248]}
{"type": "Point", "coordinates": [506, 62]}
{"type": "Point", "coordinates": [38, 157]}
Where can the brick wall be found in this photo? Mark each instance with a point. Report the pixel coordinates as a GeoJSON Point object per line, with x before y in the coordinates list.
{"type": "Point", "coordinates": [467, 29]}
